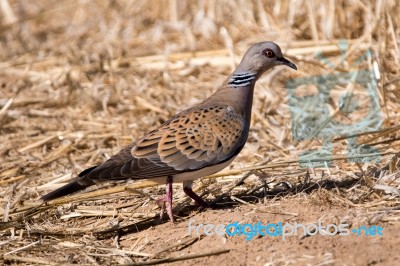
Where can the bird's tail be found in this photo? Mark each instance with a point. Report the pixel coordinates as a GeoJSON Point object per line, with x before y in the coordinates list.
{"type": "Point", "coordinates": [69, 188]}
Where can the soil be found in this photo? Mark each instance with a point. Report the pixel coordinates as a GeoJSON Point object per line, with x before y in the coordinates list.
{"type": "Point", "coordinates": [295, 250]}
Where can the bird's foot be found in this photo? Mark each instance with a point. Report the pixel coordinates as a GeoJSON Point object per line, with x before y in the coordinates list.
{"type": "Point", "coordinates": [166, 202]}
{"type": "Point", "coordinates": [195, 197]}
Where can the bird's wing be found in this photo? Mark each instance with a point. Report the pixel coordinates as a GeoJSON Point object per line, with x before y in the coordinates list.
{"type": "Point", "coordinates": [192, 140]}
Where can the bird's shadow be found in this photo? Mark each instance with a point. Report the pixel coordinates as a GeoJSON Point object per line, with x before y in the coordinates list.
{"type": "Point", "coordinates": [225, 202]}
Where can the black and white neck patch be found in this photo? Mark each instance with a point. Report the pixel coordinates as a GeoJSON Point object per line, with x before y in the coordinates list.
{"type": "Point", "coordinates": [241, 79]}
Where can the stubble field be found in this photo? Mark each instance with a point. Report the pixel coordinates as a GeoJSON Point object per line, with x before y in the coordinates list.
{"type": "Point", "coordinates": [79, 80]}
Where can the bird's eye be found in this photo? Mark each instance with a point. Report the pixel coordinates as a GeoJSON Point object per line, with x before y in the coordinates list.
{"type": "Point", "coordinates": [269, 53]}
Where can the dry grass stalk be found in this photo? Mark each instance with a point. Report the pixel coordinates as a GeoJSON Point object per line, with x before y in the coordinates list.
{"type": "Point", "coordinates": [181, 258]}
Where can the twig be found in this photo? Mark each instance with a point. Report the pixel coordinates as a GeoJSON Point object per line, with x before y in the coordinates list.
{"type": "Point", "coordinates": [22, 248]}
{"type": "Point", "coordinates": [28, 260]}
{"type": "Point", "coordinates": [11, 180]}
{"type": "Point", "coordinates": [122, 251]}
{"type": "Point", "coordinates": [3, 111]}
{"type": "Point", "coordinates": [183, 243]}
{"type": "Point", "coordinates": [181, 258]}
{"type": "Point", "coordinates": [38, 143]}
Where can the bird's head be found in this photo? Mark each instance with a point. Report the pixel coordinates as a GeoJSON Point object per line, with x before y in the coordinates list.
{"type": "Point", "coordinates": [262, 56]}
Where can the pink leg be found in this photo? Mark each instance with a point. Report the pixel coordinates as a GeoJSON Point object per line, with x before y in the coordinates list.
{"type": "Point", "coordinates": [166, 201]}
{"type": "Point", "coordinates": [187, 188]}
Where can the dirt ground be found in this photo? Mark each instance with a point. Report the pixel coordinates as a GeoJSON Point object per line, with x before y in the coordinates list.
{"type": "Point", "coordinates": [80, 80]}
{"type": "Point", "coordinates": [295, 250]}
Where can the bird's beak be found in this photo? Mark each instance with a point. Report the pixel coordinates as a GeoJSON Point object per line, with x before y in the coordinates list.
{"type": "Point", "coordinates": [284, 61]}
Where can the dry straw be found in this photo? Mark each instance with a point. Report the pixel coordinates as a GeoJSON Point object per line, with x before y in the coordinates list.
{"type": "Point", "coordinates": [79, 80]}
